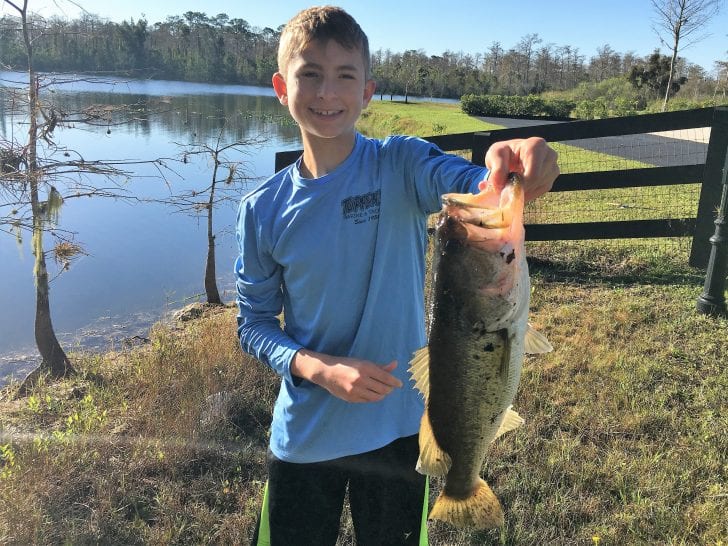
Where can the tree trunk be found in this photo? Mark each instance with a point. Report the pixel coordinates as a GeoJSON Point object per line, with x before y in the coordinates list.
{"type": "Point", "coordinates": [53, 359]}
{"type": "Point", "coordinates": [672, 73]}
{"type": "Point", "coordinates": [213, 296]}
{"type": "Point", "coordinates": [211, 291]}
{"type": "Point", "coordinates": [676, 30]}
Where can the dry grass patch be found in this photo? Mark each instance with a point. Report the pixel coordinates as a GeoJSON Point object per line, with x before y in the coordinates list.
{"type": "Point", "coordinates": [118, 454]}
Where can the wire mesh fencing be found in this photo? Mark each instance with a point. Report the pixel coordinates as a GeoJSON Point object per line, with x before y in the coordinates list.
{"type": "Point", "coordinates": [613, 153]}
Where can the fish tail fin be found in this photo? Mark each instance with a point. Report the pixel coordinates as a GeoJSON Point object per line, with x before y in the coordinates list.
{"type": "Point", "coordinates": [481, 510]}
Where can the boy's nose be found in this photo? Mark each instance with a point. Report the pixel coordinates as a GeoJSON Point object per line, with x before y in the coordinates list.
{"type": "Point", "coordinates": [327, 88]}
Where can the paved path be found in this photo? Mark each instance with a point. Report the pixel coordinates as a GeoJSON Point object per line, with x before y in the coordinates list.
{"type": "Point", "coordinates": [663, 149]}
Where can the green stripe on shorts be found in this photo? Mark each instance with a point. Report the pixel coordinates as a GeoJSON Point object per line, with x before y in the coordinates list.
{"type": "Point", "coordinates": [264, 531]}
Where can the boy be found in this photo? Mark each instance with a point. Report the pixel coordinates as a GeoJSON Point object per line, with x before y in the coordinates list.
{"type": "Point", "coordinates": [337, 242]}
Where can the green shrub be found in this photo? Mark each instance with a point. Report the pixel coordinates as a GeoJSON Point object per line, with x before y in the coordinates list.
{"type": "Point", "coordinates": [512, 105]}
{"type": "Point", "coordinates": [679, 103]}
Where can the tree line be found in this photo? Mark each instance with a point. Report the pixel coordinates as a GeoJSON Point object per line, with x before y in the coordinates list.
{"type": "Point", "coordinates": [222, 49]}
{"type": "Point", "coordinates": [192, 47]}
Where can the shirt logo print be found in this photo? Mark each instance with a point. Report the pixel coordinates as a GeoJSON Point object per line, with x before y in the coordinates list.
{"type": "Point", "coordinates": [362, 208]}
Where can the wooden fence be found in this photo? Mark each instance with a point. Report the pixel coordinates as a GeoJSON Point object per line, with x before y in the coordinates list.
{"type": "Point", "coordinates": [708, 174]}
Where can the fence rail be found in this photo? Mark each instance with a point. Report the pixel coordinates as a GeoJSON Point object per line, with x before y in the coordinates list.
{"type": "Point", "coordinates": [708, 174]}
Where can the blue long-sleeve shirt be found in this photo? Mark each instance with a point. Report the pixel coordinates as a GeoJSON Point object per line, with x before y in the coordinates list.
{"type": "Point", "coordinates": [343, 257]}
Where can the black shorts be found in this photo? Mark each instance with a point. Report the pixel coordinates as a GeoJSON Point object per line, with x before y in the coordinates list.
{"type": "Point", "coordinates": [388, 499]}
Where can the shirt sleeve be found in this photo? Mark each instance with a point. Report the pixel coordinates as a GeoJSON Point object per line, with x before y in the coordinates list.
{"type": "Point", "coordinates": [435, 173]}
{"type": "Point", "coordinates": [258, 281]}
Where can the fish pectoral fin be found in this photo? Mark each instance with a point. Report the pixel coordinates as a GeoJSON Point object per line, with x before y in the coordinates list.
{"type": "Point", "coordinates": [420, 371]}
{"type": "Point", "coordinates": [510, 422]}
{"type": "Point", "coordinates": [481, 510]}
{"type": "Point", "coordinates": [433, 460]}
{"type": "Point", "coordinates": [535, 342]}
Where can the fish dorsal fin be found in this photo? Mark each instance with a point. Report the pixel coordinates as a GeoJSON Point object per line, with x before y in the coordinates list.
{"type": "Point", "coordinates": [535, 342]}
{"type": "Point", "coordinates": [510, 422]}
{"type": "Point", "coordinates": [420, 371]}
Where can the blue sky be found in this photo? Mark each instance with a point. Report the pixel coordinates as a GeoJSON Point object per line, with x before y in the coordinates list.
{"type": "Point", "coordinates": [470, 26]}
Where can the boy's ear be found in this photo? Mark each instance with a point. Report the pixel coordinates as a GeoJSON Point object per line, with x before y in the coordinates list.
{"type": "Point", "coordinates": [369, 87]}
{"type": "Point", "coordinates": [279, 86]}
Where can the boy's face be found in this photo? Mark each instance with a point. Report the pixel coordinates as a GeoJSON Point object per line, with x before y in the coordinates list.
{"type": "Point", "coordinates": [325, 89]}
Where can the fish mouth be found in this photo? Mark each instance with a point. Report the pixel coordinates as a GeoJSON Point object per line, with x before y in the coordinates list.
{"type": "Point", "coordinates": [489, 209]}
{"type": "Point", "coordinates": [480, 216]}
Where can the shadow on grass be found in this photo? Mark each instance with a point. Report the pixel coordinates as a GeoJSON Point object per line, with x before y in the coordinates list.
{"type": "Point", "coordinates": [618, 273]}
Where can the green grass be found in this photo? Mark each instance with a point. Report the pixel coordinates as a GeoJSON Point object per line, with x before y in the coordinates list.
{"type": "Point", "coordinates": [625, 441]}
{"type": "Point", "coordinates": [382, 118]}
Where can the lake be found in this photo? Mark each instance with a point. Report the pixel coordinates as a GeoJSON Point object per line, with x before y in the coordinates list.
{"type": "Point", "coordinates": [143, 259]}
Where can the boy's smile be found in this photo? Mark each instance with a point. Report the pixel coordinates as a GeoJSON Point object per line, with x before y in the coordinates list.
{"type": "Point", "coordinates": [325, 88]}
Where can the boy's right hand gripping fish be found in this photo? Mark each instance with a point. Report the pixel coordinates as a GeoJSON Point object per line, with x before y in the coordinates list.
{"type": "Point", "coordinates": [478, 333]}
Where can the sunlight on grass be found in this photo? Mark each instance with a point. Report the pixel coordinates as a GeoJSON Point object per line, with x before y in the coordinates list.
{"type": "Point", "coordinates": [383, 118]}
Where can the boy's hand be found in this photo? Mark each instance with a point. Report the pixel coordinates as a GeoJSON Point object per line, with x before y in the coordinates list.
{"type": "Point", "coordinates": [531, 157]}
{"type": "Point", "coordinates": [350, 379]}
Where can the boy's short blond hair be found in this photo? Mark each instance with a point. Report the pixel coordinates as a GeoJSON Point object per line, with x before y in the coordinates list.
{"type": "Point", "coordinates": [322, 23]}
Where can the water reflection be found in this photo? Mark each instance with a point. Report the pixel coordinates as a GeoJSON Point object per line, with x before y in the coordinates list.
{"type": "Point", "coordinates": [143, 259]}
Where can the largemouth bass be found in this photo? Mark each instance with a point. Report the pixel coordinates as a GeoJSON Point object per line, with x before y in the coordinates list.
{"type": "Point", "coordinates": [478, 333]}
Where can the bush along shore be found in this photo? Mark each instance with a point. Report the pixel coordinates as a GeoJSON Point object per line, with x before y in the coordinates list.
{"type": "Point", "coordinates": [574, 105]}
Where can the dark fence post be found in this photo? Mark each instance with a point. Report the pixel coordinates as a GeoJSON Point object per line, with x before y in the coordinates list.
{"type": "Point", "coordinates": [283, 159]}
{"type": "Point", "coordinates": [710, 189]}
{"type": "Point", "coordinates": [712, 300]}
{"type": "Point", "coordinates": [481, 143]}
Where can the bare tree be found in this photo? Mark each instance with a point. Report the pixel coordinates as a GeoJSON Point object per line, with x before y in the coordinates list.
{"type": "Point", "coordinates": [36, 177]}
{"type": "Point", "coordinates": [679, 24]}
{"type": "Point", "coordinates": [54, 357]}
{"type": "Point", "coordinates": [526, 48]}
{"type": "Point", "coordinates": [410, 71]}
{"type": "Point", "coordinates": [228, 173]}
{"type": "Point", "coordinates": [607, 63]}
{"type": "Point", "coordinates": [721, 77]}
{"type": "Point", "coordinates": [544, 64]}
{"type": "Point", "coordinates": [493, 59]}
